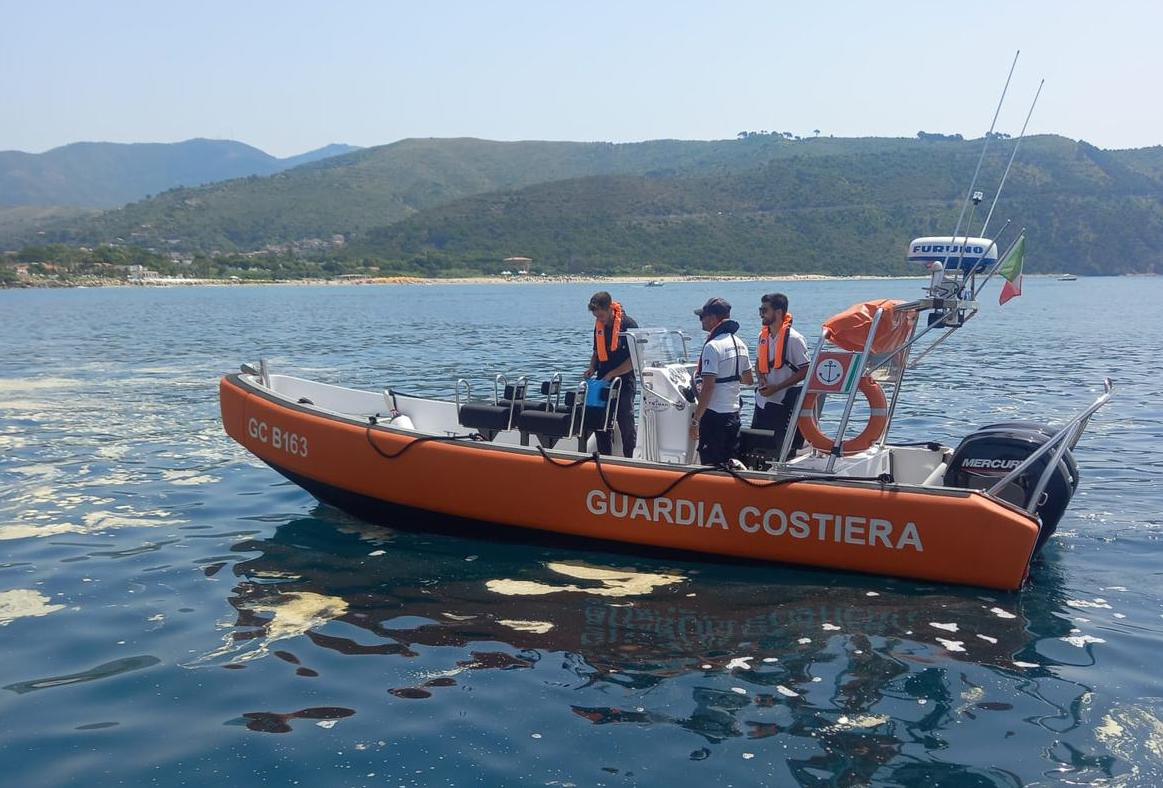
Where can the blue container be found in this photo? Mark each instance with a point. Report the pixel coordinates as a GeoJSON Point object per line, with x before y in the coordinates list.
{"type": "Point", "coordinates": [597, 393]}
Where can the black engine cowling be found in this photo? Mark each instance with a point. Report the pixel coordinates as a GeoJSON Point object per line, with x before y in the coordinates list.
{"type": "Point", "coordinates": [990, 453]}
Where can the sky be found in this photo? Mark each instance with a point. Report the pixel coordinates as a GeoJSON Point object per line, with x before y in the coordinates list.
{"type": "Point", "coordinates": [291, 76]}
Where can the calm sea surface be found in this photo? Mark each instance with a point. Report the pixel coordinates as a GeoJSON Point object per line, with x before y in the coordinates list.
{"type": "Point", "coordinates": [172, 612]}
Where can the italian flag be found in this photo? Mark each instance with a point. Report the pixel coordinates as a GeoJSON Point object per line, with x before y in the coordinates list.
{"type": "Point", "coordinates": [1011, 269]}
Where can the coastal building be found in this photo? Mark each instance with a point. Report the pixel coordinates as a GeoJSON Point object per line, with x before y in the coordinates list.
{"type": "Point", "coordinates": [522, 264]}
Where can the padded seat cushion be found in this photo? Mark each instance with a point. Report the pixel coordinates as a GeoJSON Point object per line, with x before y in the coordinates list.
{"type": "Point", "coordinates": [543, 422]}
{"type": "Point", "coordinates": [483, 416]}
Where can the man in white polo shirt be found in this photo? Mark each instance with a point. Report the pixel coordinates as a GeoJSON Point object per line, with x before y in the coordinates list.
{"type": "Point", "coordinates": [723, 365]}
{"type": "Point", "coordinates": [781, 365]}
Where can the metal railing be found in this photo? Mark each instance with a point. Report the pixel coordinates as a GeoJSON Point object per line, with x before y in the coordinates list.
{"type": "Point", "coordinates": [1065, 438]}
{"type": "Point", "coordinates": [838, 445]}
{"type": "Point", "coordinates": [456, 392]}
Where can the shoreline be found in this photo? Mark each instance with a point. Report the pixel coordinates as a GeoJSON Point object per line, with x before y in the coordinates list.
{"type": "Point", "coordinates": [437, 281]}
{"type": "Point", "coordinates": [473, 280]}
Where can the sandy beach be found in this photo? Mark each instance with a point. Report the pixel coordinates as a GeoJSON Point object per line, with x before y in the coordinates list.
{"type": "Point", "coordinates": [416, 280]}
{"type": "Point", "coordinates": [465, 280]}
{"type": "Point", "coordinates": [611, 280]}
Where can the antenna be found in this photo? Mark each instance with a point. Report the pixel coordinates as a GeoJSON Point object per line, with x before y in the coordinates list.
{"type": "Point", "coordinates": [1014, 153]}
{"type": "Point", "coordinates": [977, 170]}
{"type": "Point", "coordinates": [977, 198]}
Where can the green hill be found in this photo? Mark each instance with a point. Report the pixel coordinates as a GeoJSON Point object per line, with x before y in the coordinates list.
{"type": "Point", "coordinates": [1148, 161]}
{"type": "Point", "coordinates": [108, 175]}
{"type": "Point", "coordinates": [761, 203]}
{"type": "Point", "coordinates": [353, 193]}
{"type": "Point", "coordinates": [1086, 211]}
{"type": "Point", "coordinates": [16, 220]}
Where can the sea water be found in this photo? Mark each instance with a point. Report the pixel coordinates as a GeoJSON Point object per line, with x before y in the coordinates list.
{"type": "Point", "coordinates": [173, 612]}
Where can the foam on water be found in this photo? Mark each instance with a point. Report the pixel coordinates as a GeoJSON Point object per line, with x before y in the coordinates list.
{"type": "Point", "coordinates": [24, 603]}
{"type": "Point", "coordinates": [613, 583]}
{"type": "Point", "coordinates": [291, 615]}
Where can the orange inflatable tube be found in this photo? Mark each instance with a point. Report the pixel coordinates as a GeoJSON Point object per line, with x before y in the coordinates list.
{"type": "Point", "coordinates": [849, 329]}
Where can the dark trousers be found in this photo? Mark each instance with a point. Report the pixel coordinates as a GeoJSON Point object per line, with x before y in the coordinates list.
{"type": "Point", "coordinates": [776, 416]}
{"type": "Point", "coordinates": [718, 437]}
{"type": "Point", "coordinates": [625, 420]}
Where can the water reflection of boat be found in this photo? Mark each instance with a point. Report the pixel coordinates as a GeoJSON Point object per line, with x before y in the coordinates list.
{"type": "Point", "coordinates": [1067, 278]}
{"type": "Point", "coordinates": [661, 618]}
{"type": "Point", "coordinates": [690, 646]}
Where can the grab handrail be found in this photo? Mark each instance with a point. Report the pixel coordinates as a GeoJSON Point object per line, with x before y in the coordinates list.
{"type": "Point", "coordinates": [579, 406]}
{"type": "Point", "coordinates": [838, 446]}
{"type": "Point", "coordinates": [456, 392]}
{"type": "Point", "coordinates": [612, 399]}
{"type": "Point", "coordinates": [518, 388]}
{"type": "Point", "coordinates": [1064, 438]}
{"type": "Point", "coordinates": [556, 389]}
{"type": "Point", "coordinates": [789, 436]}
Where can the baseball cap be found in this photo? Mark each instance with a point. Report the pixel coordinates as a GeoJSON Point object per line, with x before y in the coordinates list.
{"type": "Point", "coordinates": [715, 306]}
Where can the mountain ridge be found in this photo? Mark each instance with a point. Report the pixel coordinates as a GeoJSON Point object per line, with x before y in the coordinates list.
{"type": "Point", "coordinates": [374, 186]}
{"type": "Point", "coordinates": [818, 205]}
{"type": "Point", "coordinates": [111, 174]}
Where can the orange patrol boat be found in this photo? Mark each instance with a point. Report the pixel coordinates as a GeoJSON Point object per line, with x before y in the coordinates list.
{"type": "Point", "coordinates": [975, 514]}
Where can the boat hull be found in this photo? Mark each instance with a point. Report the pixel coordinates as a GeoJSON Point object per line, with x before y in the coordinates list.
{"type": "Point", "coordinates": [953, 536]}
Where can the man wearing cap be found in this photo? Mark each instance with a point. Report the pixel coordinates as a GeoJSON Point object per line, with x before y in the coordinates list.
{"type": "Point", "coordinates": [723, 366]}
{"type": "Point", "coordinates": [781, 366]}
{"type": "Point", "coordinates": [611, 359]}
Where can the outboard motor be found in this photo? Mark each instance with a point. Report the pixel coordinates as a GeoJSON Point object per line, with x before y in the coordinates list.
{"type": "Point", "coordinates": [990, 453]}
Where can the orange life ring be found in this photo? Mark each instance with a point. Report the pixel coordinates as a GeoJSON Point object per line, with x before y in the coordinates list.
{"type": "Point", "coordinates": [873, 431]}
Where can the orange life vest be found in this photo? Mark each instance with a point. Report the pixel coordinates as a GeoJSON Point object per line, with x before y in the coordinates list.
{"type": "Point", "coordinates": [599, 333]}
{"type": "Point", "coordinates": [764, 364]}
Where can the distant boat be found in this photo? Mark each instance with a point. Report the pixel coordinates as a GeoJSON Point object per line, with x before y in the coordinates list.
{"type": "Point", "coordinates": [655, 283]}
{"type": "Point", "coordinates": [1067, 278]}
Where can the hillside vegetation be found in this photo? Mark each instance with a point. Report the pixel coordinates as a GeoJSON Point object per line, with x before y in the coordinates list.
{"type": "Point", "coordinates": [1085, 210]}
{"type": "Point", "coordinates": [762, 204]}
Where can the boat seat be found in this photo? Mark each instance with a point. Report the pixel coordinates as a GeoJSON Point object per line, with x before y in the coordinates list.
{"type": "Point", "coordinates": [549, 422]}
{"type": "Point", "coordinates": [758, 447]}
{"type": "Point", "coordinates": [480, 415]}
{"type": "Point", "coordinates": [551, 388]}
{"type": "Point", "coordinates": [489, 419]}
